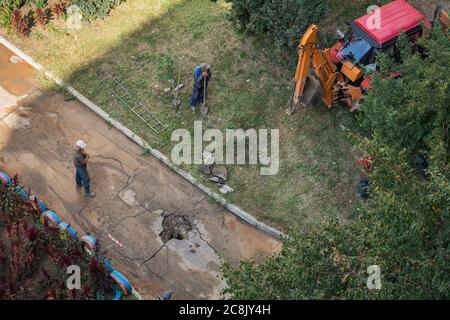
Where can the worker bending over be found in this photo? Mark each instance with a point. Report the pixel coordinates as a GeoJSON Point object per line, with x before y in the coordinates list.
{"type": "Point", "coordinates": [202, 75]}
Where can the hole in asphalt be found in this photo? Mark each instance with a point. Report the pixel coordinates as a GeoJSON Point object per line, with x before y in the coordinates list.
{"type": "Point", "coordinates": [175, 226]}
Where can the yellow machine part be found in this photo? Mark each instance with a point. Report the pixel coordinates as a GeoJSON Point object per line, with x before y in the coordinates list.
{"type": "Point", "coordinates": [351, 71]}
{"type": "Point", "coordinates": [332, 84]}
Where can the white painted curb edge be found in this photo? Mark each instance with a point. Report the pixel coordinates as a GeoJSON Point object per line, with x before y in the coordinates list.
{"type": "Point", "coordinates": [157, 154]}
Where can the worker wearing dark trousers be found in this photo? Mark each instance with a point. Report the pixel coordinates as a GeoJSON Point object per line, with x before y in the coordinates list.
{"type": "Point", "coordinates": [201, 73]}
{"type": "Point", "coordinates": [80, 160]}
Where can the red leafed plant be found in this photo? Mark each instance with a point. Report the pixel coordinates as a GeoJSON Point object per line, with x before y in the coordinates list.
{"type": "Point", "coordinates": [20, 23]}
{"type": "Point", "coordinates": [51, 294]}
{"type": "Point", "coordinates": [94, 267]}
{"type": "Point", "coordinates": [3, 290]}
{"type": "Point", "coordinates": [86, 291]}
{"type": "Point", "coordinates": [58, 8]}
{"type": "Point", "coordinates": [42, 16]}
{"type": "Point", "coordinates": [3, 258]}
{"type": "Point", "coordinates": [32, 234]}
{"type": "Point", "coordinates": [33, 256]}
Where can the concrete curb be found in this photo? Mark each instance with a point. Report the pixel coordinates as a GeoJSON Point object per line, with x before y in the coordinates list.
{"type": "Point", "coordinates": [157, 154]}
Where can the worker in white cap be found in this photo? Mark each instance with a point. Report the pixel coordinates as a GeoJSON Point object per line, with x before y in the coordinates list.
{"type": "Point", "coordinates": [80, 160]}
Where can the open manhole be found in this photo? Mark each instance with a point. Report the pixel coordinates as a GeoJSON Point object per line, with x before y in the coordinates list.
{"type": "Point", "coordinates": [175, 226]}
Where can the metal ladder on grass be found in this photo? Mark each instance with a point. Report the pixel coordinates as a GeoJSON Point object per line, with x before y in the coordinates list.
{"type": "Point", "coordinates": [131, 102]}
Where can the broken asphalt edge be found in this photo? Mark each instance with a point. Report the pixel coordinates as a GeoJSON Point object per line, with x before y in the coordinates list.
{"type": "Point", "coordinates": [141, 142]}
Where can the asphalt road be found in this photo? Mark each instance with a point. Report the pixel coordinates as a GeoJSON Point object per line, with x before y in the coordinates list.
{"type": "Point", "coordinates": [135, 192]}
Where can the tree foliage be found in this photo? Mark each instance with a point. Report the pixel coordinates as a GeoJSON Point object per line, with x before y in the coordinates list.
{"type": "Point", "coordinates": [283, 21]}
{"type": "Point", "coordinates": [412, 111]}
{"type": "Point", "coordinates": [404, 227]}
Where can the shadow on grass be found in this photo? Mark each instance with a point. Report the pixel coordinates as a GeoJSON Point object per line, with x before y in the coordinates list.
{"type": "Point", "coordinates": [318, 172]}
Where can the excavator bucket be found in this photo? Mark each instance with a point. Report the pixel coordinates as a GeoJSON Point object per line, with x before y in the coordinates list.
{"type": "Point", "coordinates": [310, 95]}
{"type": "Point", "coordinates": [312, 90]}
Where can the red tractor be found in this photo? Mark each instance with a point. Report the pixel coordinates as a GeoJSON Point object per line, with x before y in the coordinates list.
{"type": "Point", "coordinates": [339, 71]}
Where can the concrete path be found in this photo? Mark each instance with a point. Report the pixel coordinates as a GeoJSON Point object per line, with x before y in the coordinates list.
{"type": "Point", "coordinates": [138, 198]}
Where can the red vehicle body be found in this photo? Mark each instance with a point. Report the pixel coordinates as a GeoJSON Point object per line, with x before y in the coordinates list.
{"type": "Point", "coordinates": [339, 72]}
{"type": "Point", "coordinates": [377, 32]}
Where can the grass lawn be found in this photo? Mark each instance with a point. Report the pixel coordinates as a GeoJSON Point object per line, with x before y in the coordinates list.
{"type": "Point", "coordinates": [147, 42]}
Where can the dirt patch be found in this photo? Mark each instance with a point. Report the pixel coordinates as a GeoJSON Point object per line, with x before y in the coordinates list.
{"type": "Point", "coordinates": [175, 226]}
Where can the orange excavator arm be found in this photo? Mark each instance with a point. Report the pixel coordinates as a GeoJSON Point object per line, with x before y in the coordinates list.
{"type": "Point", "coordinates": [306, 86]}
{"type": "Point", "coordinates": [326, 76]}
{"type": "Point", "coordinates": [305, 52]}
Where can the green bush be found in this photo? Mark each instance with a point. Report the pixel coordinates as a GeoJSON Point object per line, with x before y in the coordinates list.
{"type": "Point", "coordinates": [404, 226]}
{"type": "Point", "coordinates": [7, 8]}
{"type": "Point", "coordinates": [412, 112]}
{"type": "Point", "coordinates": [37, 3]}
{"type": "Point", "coordinates": [284, 21]}
{"type": "Point", "coordinates": [94, 9]}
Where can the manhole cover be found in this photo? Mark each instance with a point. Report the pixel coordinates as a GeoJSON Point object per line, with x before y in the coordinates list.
{"type": "Point", "coordinates": [175, 226]}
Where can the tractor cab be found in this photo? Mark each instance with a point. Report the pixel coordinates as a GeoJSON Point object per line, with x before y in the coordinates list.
{"type": "Point", "coordinates": [374, 33]}
{"type": "Point", "coordinates": [356, 49]}
{"type": "Point", "coordinates": [338, 72]}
